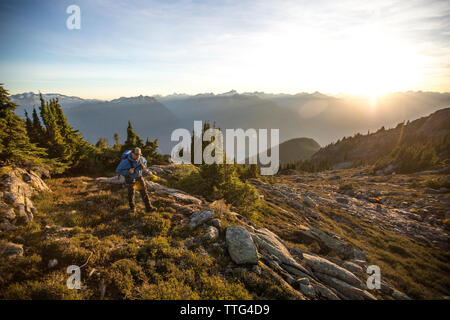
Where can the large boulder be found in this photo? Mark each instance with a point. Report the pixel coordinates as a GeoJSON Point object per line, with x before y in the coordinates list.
{"type": "Point", "coordinates": [200, 217]}
{"type": "Point", "coordinates": [318, 264]}
{"type": "Point", "coordinates": [240, 245]}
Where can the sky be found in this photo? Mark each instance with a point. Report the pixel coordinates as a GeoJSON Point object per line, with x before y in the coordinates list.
{"type": "Point", "coordinates": [128, 48]}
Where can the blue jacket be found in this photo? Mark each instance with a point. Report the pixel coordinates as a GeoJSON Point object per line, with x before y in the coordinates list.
{"type": "Point", "coordinates": [127, 163]}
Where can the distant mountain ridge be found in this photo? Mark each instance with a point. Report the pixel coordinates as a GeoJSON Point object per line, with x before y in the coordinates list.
{"type": "Point", "coordinates": [322, 117]}
{"type": "Point", "coordinates": [27, 100]}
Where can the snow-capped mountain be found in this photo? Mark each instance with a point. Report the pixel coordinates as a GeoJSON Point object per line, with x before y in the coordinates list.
{"type": "Point", "coordinates": [28, 100]}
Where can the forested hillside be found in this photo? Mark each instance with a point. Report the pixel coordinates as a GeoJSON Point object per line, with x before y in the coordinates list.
{"type": "Point", "coordinates": [409, 147]}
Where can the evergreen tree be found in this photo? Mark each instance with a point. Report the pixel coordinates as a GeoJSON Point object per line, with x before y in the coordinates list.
{"type": "Point", "coordinates": [63, 142]}
{"type": "Point", "coordinates": [133, 140]}
{"type": "Point", "coordinates": [28, 124]}
{"type": "Point", "coordinates": [15, 146]}
{"type": "Point", "coordinates": [149, 150]}
{"type": "Point", "coordinates": [37, 133]}
{"type": "Point", "coordinates": [54, 141]}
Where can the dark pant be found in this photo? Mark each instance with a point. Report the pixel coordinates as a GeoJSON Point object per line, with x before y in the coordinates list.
{"type": "Point", "coordinates": [140, 183]}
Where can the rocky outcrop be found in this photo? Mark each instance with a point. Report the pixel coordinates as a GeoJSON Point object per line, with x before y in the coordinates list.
{"type": "Point", "coordinates": [240, 245]}
{"type": "Point", "coordinates": [380, 208]}
{"type": "Point", "coordinates": [313, 277]}
{"type": "Point", "coordinates": [17, 185]}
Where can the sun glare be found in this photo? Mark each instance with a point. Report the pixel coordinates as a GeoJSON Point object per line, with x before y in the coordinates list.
{"type": "Point", "coordinates": [369, 61]}
{"type": "Point", "coordinates": [381, 64]}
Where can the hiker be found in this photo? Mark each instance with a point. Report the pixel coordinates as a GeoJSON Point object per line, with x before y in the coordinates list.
{"type": "Point", "coordinates": [131, 167]}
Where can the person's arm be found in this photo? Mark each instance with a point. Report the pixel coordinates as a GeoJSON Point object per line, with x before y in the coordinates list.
{"type": "Point", "coordinates": [145, 169]}
{"type": "Point", "coordinates": [124, 167]}
{"type": "Point", "coordinates": [144, 162]}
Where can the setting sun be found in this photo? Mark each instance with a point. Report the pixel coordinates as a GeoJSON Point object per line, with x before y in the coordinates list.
{"type": "Point", "coordinates": [377, 63]}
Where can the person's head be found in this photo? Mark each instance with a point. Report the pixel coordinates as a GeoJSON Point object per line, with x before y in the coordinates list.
{"type": "Point", "coordinates": [136, 153]}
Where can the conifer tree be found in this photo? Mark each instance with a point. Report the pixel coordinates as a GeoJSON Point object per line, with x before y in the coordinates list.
{"type": "Point", "coordinates": [149, 150]}
{"type": "Point", "coordinates": [133, 140]}
{"type": "Point", "coordinates": [15, 146]}
{"type": "Point", "coordinates": [28, 124]}
{"type": "Point", "coordinates": [63, 142]}
{"type": "Point", "coordinates": [55, 143]}
{"type": "Point", "coordinates": [38, 133]}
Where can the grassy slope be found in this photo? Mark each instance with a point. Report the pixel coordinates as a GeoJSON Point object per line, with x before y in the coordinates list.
{"type": "Point", "coordinates": [134, 256]}
{"type": "Point", "coordinates": [143, 256]}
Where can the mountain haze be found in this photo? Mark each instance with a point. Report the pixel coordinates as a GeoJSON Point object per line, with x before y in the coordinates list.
{"type": "Point", "coordinates": [149, 117]}
{"type": "Point", "coordinates": [321, 117]}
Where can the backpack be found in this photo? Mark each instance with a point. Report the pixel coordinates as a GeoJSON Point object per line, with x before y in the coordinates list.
{"type": "Point", "coordinates": [125, 156]}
